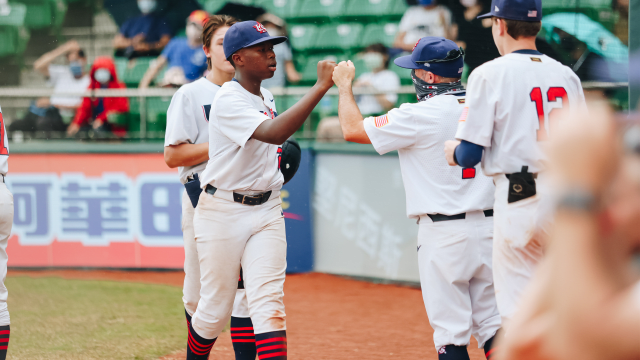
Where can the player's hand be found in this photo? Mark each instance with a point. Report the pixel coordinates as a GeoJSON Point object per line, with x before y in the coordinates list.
{"type": "Point", "coordinates": [344, 73]}
{"type": "Point", "coordinates": [449, 149]}
{"type": "Point", "coordinates": [73, 129]}
{"type": "Point", "coordinates": [325, 70]}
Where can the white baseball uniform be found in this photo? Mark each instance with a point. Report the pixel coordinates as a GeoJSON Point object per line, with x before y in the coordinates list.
{"type": "Point", "coordinates": [510, 105]}
{"type": "Point", "coordinates": [187, 123]}
{"type": "Point", "coordinates": [230, 234]}
{"type": "Point", "coordinates": [6, 221]}
{"type": "Point", "coordinates": [454, 255]}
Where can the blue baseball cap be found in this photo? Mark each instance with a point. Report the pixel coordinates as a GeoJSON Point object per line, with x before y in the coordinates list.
{"type": "Point", "coordinates": [521, 10]}
{"type": "Point", "coordinates": [435, 54]}
{"type": "Point", "coordinates": [247, 33]}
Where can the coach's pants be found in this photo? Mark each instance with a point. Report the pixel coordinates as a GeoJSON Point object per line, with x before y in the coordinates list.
{"type": "Point", "coordinates": [517, 248]}
{"type": "Point", "coordinates": [191, 288]}
{"type": "Point", "coordinates": [454, 258]}
{"type": "Point", "coordinates": [229, 234]}
{"type": "Point", "coordinates": [6, 221]}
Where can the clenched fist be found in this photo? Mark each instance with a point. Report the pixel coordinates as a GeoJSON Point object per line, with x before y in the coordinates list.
{"type": "Point", "coordinates": [344, 73]}
{"type": "Point", "coordinates": [325, 71]}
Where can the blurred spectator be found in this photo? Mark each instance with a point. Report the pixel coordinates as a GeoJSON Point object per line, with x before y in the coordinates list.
{"type": "Point", "coordinates": [186, 58]}
{"type": "Point", "coordinates": [92, 114]}
{"type": "Point", "coordinates": [426, 19]}
{"type": "Point", "coordinates": [285, 69]}
{"type": "Point", "coordinates": [588, 65]}
{"type": "Point", "coordinates": [473, 34]}
{"type": "Point", "coordinates": [144, 35]}
{"type": "Point", "coordinates": [378, 77]}
{"type": "Point", "coordinates": [46, 114]}
{"type": "Point", "coordinates": [621, 27]}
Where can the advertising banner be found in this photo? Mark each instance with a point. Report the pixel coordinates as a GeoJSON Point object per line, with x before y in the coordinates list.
{"type": "Point", "coordinates": [110, 210]}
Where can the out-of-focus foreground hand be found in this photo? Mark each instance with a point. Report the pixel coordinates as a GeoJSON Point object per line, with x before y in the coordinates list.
{"type": "Point", "coordinates": [344, 73]}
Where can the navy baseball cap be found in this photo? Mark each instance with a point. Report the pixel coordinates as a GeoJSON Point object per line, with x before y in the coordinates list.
{"type": "Point", "coordinates": [435, 54]}
{"type": "Point", "coordinates": [521, 10]}
{"type": "Point", "coordinates": [247, 33]}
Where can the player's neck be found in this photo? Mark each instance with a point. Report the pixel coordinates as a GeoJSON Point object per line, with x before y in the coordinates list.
{"type": "Point", "coordinates": [249, 84]}
{"type": "Point", "coordinates": [219, 77]}
{"type": "Point", "coordinates": [511, 45]}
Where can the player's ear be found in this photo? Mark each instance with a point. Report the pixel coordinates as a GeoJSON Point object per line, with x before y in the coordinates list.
{"type": "Point", "coordinates": [237, 59]}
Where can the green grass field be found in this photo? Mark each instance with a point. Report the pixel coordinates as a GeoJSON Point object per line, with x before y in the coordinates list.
{"type": "Point", "coordinates": [54, 318]}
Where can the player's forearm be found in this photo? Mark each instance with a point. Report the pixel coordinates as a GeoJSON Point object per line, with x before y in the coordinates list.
{"type": "Point", "coordinates": [277, 131]}
{"type": "Point", "coordinates": [186, 154]}
{"type": "Point", "coordinates": [152, 72]}
{"type": "Point", "coordinates": [351, 120]}
{"type": "Point", "coordinates": [121, 42]}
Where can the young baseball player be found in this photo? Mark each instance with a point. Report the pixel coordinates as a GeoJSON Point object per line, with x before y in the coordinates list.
{"type": "Point", "coordinates": [239, 220]}
{"type": "Point", "coordinates": [187, 147]}
{"type": "Point", "coordinates": [452, 206]}
{"type": "Point", "coordinates": [509, 115]}
{"type": "Point", "coordinates": [6, 221]}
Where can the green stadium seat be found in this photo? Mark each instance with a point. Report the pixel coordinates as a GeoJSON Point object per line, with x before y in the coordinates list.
{"type": "Point", "coordinates": [285, 9]}
{"type": "Point", "coordinates": [404, 74]}
{"type": "Point", "coordinates": [157, 115]}
{"type": "Point", "coordinates": [319, 9]}
{"type": "Point", "coordinates": [339, 36]}
{"type": "Point", "coordinates": [16, 15]}
{"type": "Point", "coordinates": [309, 70]}
{"type": "Point", "coordinates": [131, 72]}
{"type": "Point", "coordinates": [398, 10]}
{"type": "Point", "coordinates": [13, 35]}
{"type": "Point", "coordinates": [303, 37]}
{"type": "Point", "coordinates": [42, 14]}
{"type": "Point", "coordinates": [379, 33]}
{"type": "Point", "coordinates": [367, 10]}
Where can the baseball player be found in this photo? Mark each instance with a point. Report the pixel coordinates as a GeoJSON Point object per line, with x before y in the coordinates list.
{"type": "Point", "coordinates": [509, 115]}
{"type": "Point", "coordinates": [239, 219]}
{"type": "Point", "coordinates": [6, 221]}
{"type": "Point", "coordinates": [186, 147]}
{"type": "Point", "coordinates": [452, 206]}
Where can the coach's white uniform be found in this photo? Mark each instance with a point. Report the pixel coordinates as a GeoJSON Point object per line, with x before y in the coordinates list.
{"type": "Point", "coordinates": [509, 103]}
{"type": "Point", "coordinates": [187, 123]}
{"type": "Point", "coordinates": [454, 256]}
{"type": "Point", "coordinates": [229, 234]}
{"type": "Point", "coordinates": [6, 221]}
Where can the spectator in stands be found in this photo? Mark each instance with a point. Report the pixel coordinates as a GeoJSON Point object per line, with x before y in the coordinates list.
{"type": "Point", "coordinates": [426, 19]}
{"type": "Point", "coordinates": [144, 35]}
{"type": "Point", "coordinates": [285, 70]}
{"type": "Point", "coordinates": [46, 114]}
{"type": "Point", "coordinates": [473, 34]}
{"type": "Point", "coordinates": [378, 77]}
{"type": "Point", "coordinates": [186, 58]}
{"type": "Point", "coordinates": [92, 115]}
{"type": "Point", "coordinates": [621, 27]}
{"type": "Point", "coordinates": [588, 65]}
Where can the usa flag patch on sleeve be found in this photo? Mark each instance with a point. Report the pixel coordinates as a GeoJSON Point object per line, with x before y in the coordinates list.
{"type": "Point", "coordinates": [463, 116]}
{"type": "Point", "coordinates": [381, 121]}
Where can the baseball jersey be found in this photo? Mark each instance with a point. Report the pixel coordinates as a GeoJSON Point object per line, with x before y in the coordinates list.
{"type": "Point", "coordinates": [418, 132]}
{"type": "Point", "coordinates": [4, 147]}
{"type": "Point", "coordinates": [509, 105]}
{"type": "Point", "coordinates": [188, 119]}
{"type": "Point", "coordinates": [236, 161]}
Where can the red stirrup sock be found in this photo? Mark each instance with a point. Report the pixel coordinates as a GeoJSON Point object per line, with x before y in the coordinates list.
{"type": "Point", "coordinates": [489, 349]}
{"type": "Point", "coordinates": [243, 338]}
{"type": "Point", "coordinates": [199, 348]}
{"type": "Point", "coordinates": [4, 341]}
{"type": "Point", "coordinates": [272, 345]}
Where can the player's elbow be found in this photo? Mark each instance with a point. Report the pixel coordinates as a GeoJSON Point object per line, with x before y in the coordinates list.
{"type": "Point", "coordinates": [169, 158]}
{"type": "Point", "coordinates": [468, 154]}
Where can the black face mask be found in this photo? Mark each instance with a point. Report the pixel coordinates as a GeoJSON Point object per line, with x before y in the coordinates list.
{"type": "Point", "coordinates": [426, 91]}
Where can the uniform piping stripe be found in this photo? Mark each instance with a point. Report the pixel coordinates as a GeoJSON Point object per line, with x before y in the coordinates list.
{"type": "Point", "coordinates": [266, 356]}
{"type": "Point", "coordinates": [2, 332]}
{"type": "Point", "coordinates": [242, 328]}
{"type": "Point", "coordinates": [490, 352]}
{"type": "Point", "coordinates": [4, 347]}
{"type": "Point", "coordinates": [270, 340]}
{"type": "Point", "coordinates": [243, 340]}
{"type": "Point", "coordinates": [243, 335]}
{"type": "Point", "coordinates": [272, 347]}
{"type": "Point", "coordinates": [196, 350]}
{"type": "Point", "coordinates": [5, 340]}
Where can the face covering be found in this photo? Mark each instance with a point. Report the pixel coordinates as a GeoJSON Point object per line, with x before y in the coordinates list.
{"type": "Point", "coordinates": [76, 69]}
{"type": "Point", "coordinates": [468, 3]}
{"type": "Point", "coordinates": [146, 6]}
{"type": "Point", "coordinates": [373, 60]}
{"type": "Point", "coordinates": [102, 76]}
{"type": "Point", "coordinates": [193, 33]}
{"type": "Point", "coordinates": [425, 91]}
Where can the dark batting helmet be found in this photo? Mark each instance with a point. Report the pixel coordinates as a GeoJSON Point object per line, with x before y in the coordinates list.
{"type": "Point", "coordinates": [290, 159]}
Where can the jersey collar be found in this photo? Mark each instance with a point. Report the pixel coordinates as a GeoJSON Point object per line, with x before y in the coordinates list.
{"type": "Point", "coordinates": [528, 52]}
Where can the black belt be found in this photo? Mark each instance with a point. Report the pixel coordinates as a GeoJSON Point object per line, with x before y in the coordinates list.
{"type": "Point", "coordinates": [258, 199]}
{"type": "Point", "coordinates": [440, 217]}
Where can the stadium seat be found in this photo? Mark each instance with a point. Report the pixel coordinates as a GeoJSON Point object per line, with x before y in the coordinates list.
{"type": "Point", "coordinates": [404, 74]}
{"type": "Point", "coordinates": [42, 14]}
{"type": "Point", "coordinates": [368, 10]}
{"type": "Point", "coordinates": [131, 72]}
{"type": "Point", "coordinates": [157, 115]}
{"type": "Point", "coordinates": [303, 37]}
{"type": "Point", "coordinates": [319, 10]}
{"type": "Point", "coordinates": [283, 8]}
{"type": "Point", "coordinates": [400, 6]}
{"type": "Point", "coordinates": [309, 70]}
{"type": "Point", "coordinates": [379, 33]}
{"type": "Point", "coordinates": [13, 35]}
{"type": "Point", "coordinates": [339, 36]}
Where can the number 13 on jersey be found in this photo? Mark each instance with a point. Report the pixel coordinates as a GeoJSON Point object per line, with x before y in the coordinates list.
{"type": "Point", "coordinates": [557, 95]}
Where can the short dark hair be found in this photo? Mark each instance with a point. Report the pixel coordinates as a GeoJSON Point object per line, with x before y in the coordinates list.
{"type": "Point", "coordinates": [379, 48]}
{"type": "Point", "coordinates": [81, 54]}
{"type": "Point", "coordinates": [517, 29]}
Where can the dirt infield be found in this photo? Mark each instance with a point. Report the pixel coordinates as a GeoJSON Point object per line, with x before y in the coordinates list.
{"type": "Point", "coordinates": [328, 317]}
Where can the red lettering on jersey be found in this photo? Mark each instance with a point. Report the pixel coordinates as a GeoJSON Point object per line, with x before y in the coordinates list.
{"type": "Point", "coordinates": [3, 146]}
{"type": "Point", "coordinates": [279, 157]}
{"type": "Point", "coordinates": [260, 28]}
{"type": "Point", "coordinates": [468, 173]}
{"type": "Point", "coordinates": [552, 95]}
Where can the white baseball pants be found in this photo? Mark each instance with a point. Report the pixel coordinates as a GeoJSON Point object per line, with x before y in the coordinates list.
{"type": "Point", "coordinates": [455, 275]}
{"type": "Point", "coordinates": [228, 235]}
{"type": "Point", "coordinates": [6, 221]}
{"type": "Point", "coordinates": [191, 288]}
{"type": "Point", "coordinates": [517, 248]}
